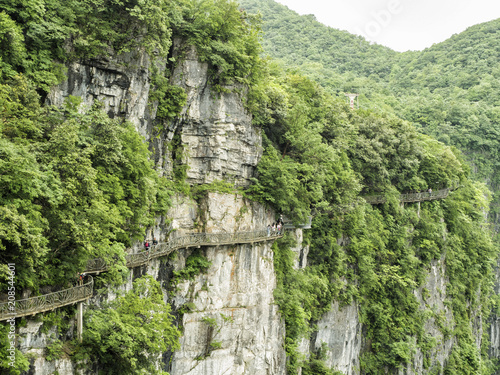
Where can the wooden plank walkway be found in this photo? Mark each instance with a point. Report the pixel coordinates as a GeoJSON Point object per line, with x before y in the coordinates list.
{"type": "Point", "coordinates": [46, 302]}
{"type": "Point", "coordinates": [50, 301]}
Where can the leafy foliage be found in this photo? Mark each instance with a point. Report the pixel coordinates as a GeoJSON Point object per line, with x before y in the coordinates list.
{"type": "Point", "coordinates": [75, 187]}
{"type": "Point", "coordinates": [129, 334]}
{"type": "Point", "coordinates": [21, 362]}
{"type": "Point", "coordinates": [318, 156]}
{"type": "Point", "coordinates": [196, 263]}
{"type": "Point", "coordinates": [226, 37]}
{"type": "Point", "coordinates": [80, 185]}
{"type": "Point", "coordinates": [449, 91]}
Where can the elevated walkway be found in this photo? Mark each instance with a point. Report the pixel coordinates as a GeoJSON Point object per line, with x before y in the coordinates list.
{"type": "Point", "coordinates": [46, 302]}
{"type": "Point", "coordinates": [51, 301]}
{"type": "Point", "coordinates": [191, 240]}
{"type": "Point", "coordinates": [410, 197]}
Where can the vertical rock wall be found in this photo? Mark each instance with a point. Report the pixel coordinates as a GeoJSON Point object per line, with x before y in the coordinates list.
{"type": "Point", "coordinates": [432, 296]}
{"type": "Point", "coordinates": [236, 293]}
{"type": "Point", "coordinates": [121, 83]}
{"type": "Point", "coordinates": [220, 143]}
{"type": "Point", "coordinates": [341, 331]}
{"type": "Point", "coordinates": [215, 128]}
{"type": "Point", "coordinates": [216, 131]}
{"type": "Point", "coordinates": [494, 323]}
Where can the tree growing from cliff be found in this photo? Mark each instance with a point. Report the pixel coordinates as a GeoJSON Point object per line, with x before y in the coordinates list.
{"type": "Point", "coordinates": [128, 335]}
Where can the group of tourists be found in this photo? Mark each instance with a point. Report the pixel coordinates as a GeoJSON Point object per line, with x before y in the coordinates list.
{"type": "Point", "coordinates": [276, 228]}
{"type": "Point", "coordinates": [81, 277]}
{"type": "Point", "coordinates": [147, 244]}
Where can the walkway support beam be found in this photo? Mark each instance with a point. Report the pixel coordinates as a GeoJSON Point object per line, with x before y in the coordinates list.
{"type": "Point", "coordinates": [79, 321]}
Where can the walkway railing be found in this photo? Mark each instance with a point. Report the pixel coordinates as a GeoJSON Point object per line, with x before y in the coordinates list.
{"type": "Point", "coordinates": [410, 197]}
{"type": "Point", "coordinates": [190, 240]}
{"type": "Point", "coordinates": [288, 224]}
{"type": "Point", "coordinates": [46, 302]}
{"type": "Point", "coordinates": [35, 305]}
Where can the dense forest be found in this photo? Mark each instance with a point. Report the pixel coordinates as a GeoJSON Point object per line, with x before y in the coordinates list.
{"type": "Point", "coordinates": [450, 90]}
{"type": "Point", "coordinates": [81, 185]}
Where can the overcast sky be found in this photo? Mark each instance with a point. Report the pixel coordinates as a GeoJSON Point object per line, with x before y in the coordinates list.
{"type": "Point", "coordinates": [400, 24]}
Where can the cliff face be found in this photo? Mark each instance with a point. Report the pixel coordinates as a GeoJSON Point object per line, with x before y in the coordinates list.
{"type": "Point", "coordinates": [431, 297]}
{"type": "Point", "coordinates": [216, 131]}
{"type": "Point", "coordinates": [215, 128]}
{"type": "Point", "coordinates": [341, 331]}
{"type": "Point", "coordinates": [220, 143]}
{"type": "Point", "coordinates": [235, 294]}
{"type": "Point", "coordinates": [494, 322]}
{"type": "Point", "coordinates": [121, 83]}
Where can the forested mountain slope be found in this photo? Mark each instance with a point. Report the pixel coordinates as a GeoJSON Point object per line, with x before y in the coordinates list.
{"type": "Point", "coordinates": [302, 39]}
{"type": "Point", "coordinates": [80, 182]}
{"type": "Point", "coordinates": [450, 90]}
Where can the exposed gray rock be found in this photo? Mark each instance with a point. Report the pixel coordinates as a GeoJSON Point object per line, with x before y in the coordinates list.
{"type": "Point", "coordinates": [341, 331]}
{"type": "Point", "coordinates": [33, 342]}
{"type": "Point", "coordinates": [121, 83]}
{"type": "Point", "coordinates": [432, 297]}
{"type": "Point", "coordinates": [494, 322]}
{"type": "Point", "coordinates": [237, 292]}
{"type": "Point", "coordinates": [216, 130]}
{"type": "Point", "coordinates": [301, 250]}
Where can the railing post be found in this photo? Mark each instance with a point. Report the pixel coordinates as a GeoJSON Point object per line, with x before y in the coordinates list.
{"type": "Point", "coordinates": [79, 321]}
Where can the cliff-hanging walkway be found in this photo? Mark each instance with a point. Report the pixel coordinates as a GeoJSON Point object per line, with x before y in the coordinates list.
{"type": "Point", "coordinates": [35, 305]}
{"type": "Point", "coordinates": [410, 197]}
{"type": "Point", "coordinates": [46, 302]}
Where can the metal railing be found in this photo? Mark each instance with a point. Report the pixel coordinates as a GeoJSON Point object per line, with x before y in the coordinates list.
{"type": "Point", "coordinates": [410, 197]}
{"type": "Point", "coordinates": [288, 224]}
{"type": "Point", "coordinates": [190, 240]}
{"type": "Point", "coordinates": [50, 301]}
{"type": "Point", "coordinates": [46, 302]}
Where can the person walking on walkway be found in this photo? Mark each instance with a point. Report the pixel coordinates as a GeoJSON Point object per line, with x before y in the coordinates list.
{"type": "Point", "coordinates": [81, 276]}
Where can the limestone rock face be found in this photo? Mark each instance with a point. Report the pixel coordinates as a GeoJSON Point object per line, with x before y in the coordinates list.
{"type": "Point", "coordinates": [219, 143]}
{"type": "Point", "coordinates": [121, 83]}
{"type": "Point", "coordinates": [215, 128]}
{"type": "Point", "coordinates": [233, 326]}
{"type": "Point", "coordinates": [494, 323]}
{"type": "Point", "coordinates": [340, 330]}
{"type": "Point", "coordinates": [431, 297]}
{"type": "Point", "coordinates": [32, 341]}
{"type": "Point", "coordinates": [301, 250]}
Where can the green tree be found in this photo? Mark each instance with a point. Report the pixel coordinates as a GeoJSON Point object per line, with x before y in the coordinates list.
{"type": "Point", "coordinates": [129, 334]}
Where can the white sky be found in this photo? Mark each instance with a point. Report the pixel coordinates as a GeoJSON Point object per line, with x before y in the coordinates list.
{"type": "Point", "coordinates": [400, 24]}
